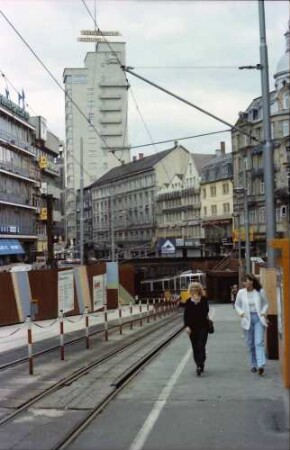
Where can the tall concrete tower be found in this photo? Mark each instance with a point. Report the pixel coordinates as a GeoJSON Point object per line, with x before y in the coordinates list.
{"type": "Point", "coordinates": [99, 90]}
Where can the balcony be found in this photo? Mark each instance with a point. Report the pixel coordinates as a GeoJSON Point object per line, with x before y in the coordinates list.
{"type": "Point", "coordinates": [16, 200]}
{"type": "Point", "coordinates": [12, 230]}
{"type": "Point", "coordinates": [14, 142]}
{"type": "Point", "coordinates": [28, 174]}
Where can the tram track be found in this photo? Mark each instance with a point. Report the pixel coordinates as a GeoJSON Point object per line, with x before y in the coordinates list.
{"type": "Point", "coordinates": [151, 334]}
{"type": "Point", "coordinates": [99, 330]}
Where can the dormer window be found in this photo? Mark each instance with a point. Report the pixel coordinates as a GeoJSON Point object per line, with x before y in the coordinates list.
{"type": "Point", "coordinates": [286, 101]}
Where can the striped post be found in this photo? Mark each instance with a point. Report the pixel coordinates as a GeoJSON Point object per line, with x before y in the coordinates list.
{"type": "Point", "coordinates": [106, 323]}
{"type": "Point", "coordinates": [148, 318]}
{"type": "Point", "coordinates": [154, 311]}
{"type": "Point", "coordinates": [120, 319]}
{"type": "Point", "coordinates": [87, 327]}
{"type": "Point", "coordinates": [61, 335]}
{"type": "Point", "coordinates": [140, 312]}
{"type": "Point", "coordinates": [29, 345]}
{"type": "Point", "coordinates": [131, 314]}
{"type": "Point", "coordinates": [160, 307]}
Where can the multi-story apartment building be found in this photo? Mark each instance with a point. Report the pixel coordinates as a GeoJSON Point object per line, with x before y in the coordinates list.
{"type": "Point", "coordinates": [123, 202]}
{"type": "Point", "coordinates": [178, 211]}
{"type": "Point", "coordinates": [216, 188]}
{"type": "Point", "coordinates": [27, 152]}
{"type": "Point", "coordinates": [48, 147]}
{"type": "Point", "coordinates": [248, 160]}
{"type": "Point", "coordinates": [99, 92]}
{"type": "Point", "coordinates": [19, 180]}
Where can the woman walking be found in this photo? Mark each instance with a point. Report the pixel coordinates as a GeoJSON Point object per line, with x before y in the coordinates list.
{"type": "Point", "coordinates": [196, 323]}
{"type": "Point", "coordinates": [251, 305]}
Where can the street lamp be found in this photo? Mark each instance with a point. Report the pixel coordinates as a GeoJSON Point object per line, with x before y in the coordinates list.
{"type": "Point", "coordinates": [243, 190]}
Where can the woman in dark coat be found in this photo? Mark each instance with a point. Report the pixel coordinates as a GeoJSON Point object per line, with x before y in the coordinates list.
{"type": "Point", "coordinates": [196, 323]}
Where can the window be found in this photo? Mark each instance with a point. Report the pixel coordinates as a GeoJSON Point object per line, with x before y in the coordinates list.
{"type": "Point", "coordinates": [213, 210]}
{"type": "Point", "coordinates": [205, 211]}
{"type": "Point", "coordinates": [226, 208]}
{"type": "Point", "coordinates": [212, 191]}
{"type": "Point", "coordinates": [262, 187]}
{"type": "Point", "coordinates": [204, 193]}
{"type": "Point", "coordinates": [285, 128]}
{"type": "Point", "coordinates": [225, 188]}
{"type": "Point", "coordinates": [286, 101]}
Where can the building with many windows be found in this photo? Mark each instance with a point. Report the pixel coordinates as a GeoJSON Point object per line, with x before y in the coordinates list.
{"type": "Point", "coordinates": [124, 219]}
{"type": "Point", "coordinates": [178, 210]}
{"type": "Point", "coordinates": [248, 161]}
{"type": "Point", "coordinates": [98, 92]}
{"type": "Point", "coordinates": [27, 175]}
{"type": "Point", "coordinates": [216, 188]}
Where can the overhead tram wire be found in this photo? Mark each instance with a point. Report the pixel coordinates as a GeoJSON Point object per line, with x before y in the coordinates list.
{"type": "Point", "coordinates": [233, 127]}
{"type": "Point", "coordinates": [57, 83]}
{"type": "Point", "coordinates": [183, 138]}
{"type": "Point", "coordinates": [185, 67]}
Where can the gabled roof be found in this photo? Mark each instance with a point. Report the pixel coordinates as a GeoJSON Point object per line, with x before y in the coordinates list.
{"type": "Point", "coordinates": [140, 165]}
{"type": "Point", "coordinates": [201, 159]}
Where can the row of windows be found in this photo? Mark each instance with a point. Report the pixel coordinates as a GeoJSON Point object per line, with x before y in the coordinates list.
{"type": "Point", "coordinates": [214, 209]}
{"type": "Point", "coordinates": [213, 190]}
{"type": "Point", "coordinates": [131, 185]}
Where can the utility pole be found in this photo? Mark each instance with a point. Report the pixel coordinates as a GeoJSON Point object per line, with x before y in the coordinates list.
{"type": "Point", "coordinates": [112, 227]}
{"type": "Point", "coordinates": [247, 228]}
{"type": "Point", "coordinates": [81, 202]}
{"type": "Point", "coordinates": [49, 230]}
{"type": "Point", "coordinates": [268, 146]}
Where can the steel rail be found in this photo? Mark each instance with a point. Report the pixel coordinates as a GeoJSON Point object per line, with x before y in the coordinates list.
{"type": "Point", "coordinates": [83, 370]}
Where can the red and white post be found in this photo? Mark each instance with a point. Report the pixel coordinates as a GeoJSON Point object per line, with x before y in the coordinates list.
{"type": "Point", "coordinates": [148, 318]}
{"type": "Point", "coordinates": [131, 316]}
{"type": "Point", "coordinates": [140, 313]}
{"type": "Point", "coordinates": [106, 323]}
{"type": "Point", "coordinates": [154, 310]}
{"type": "Point", "coordinates": [29, 345]}
{"type": "Point", "coordinates": [61, 335]}
{"type": "Point", "coordinates": [87, 327]}
{"type": "Point", "coordinates": [120, 319]}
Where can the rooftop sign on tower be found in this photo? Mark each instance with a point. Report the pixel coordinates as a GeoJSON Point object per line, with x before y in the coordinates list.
{"type": "Point", "coordinates": [96, 35]}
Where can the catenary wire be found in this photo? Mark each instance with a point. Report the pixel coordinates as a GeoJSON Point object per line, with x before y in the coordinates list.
{"type": "Point", "coordinates": [57, 82]}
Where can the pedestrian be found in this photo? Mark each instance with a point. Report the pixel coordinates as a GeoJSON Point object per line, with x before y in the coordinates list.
{"type": "Point", "coordinates": [196, 323]}
{"type": "Point", "coordinates": [251, 305]}
{"type": "Point", "coordinates": [234, 291]}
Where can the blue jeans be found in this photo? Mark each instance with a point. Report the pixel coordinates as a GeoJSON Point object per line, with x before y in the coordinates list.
{"type": "Point", "coordinates": [254, 338]}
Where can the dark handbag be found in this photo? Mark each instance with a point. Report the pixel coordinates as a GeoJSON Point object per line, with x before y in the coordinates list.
{"type": "Point", "coordinates": [210, 326]}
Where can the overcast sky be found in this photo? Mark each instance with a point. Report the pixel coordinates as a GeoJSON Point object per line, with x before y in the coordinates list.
{"type": "Point", "coordinates": [158, 33]}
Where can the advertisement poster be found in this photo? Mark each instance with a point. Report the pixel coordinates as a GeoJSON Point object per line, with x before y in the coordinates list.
{"type": "Point", "coordinates": [99, 290]}
{"type": "Point", "coordinates": [112, 275]}
{"type": "Point", "coordinates": [66, 290]}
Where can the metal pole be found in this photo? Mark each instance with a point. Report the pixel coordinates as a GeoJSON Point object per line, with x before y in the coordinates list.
{"type": "Point", "coordinates": [81, 202]}
{"type": "Point", "coordinates": [268, 147]}
{"type": "Point", "coordinates": [112, 229]}
{"type": "Point", "coordinates": [247, 231]}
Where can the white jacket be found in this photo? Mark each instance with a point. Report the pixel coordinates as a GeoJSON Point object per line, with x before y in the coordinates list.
{"type": "Point", "coordinates": [242, 307]}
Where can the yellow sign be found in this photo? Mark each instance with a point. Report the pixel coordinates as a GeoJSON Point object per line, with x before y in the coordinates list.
{"type": "Point", "coordinates": [43, 214]}
{"type": "Point", "coordinates": [42, 162]}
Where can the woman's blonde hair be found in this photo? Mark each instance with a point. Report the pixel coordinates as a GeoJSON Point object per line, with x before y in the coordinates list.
{"type": "Point", "coordinates": [196, 286]}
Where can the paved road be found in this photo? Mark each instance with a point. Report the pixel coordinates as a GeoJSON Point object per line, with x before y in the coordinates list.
{"type": "Point", "coordinates": [169, 407]}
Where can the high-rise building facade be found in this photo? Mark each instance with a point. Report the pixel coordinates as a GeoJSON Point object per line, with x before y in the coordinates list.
{"type": "Point", "coordinates": [96, 113]}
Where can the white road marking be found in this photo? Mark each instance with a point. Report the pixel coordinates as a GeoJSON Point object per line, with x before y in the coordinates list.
{"type": "Point", "coordinates": [149, 423]}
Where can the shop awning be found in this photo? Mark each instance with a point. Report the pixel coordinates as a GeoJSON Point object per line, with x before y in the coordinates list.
{"type": "Point", "coordinates": [11, 247]}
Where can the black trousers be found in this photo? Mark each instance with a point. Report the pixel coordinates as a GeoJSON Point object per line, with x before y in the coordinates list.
{"type": "Point", "coordinates": [198, 339]}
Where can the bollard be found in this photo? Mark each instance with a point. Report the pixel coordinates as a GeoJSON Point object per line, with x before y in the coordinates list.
{"type": "Point", "coordinates": [131, 313]}
{"type": "Point", "coordinates": [87, 327]}
{"type": "Point", "coordinates": [140, 310]}
{"type": "Point", "coordinates": [61, 336]}
{"type": "Point", "coordinates": [148, 318]}
{"type": "Point", "coordinates": [160, 308]}
{"type": "Point", "coordinates": [120, 319]}
{"type": "Point", "coordinates": [106, 323]}
{"type": "Point", "coordinates": [154, 310]}
{"type": "Point", "coordinates": [29, 345]}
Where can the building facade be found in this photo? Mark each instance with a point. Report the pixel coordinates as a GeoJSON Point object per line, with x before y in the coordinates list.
{"type": "Point", "coordinates": [216, 187]}
{"type": "Point", "coordinates": [178, 211]}
{"type": "Point", "coordinates": [25, 145]}
{"type": "Point", "coordinates": [123, 202]}
{"type": "Point", "coordinates": [99, 89]}
{"type": "Point", "coordinates": [249, 166]}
